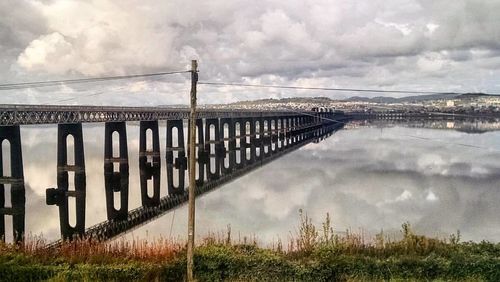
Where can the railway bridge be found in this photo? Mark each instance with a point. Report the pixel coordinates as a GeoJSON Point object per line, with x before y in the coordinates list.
{"type": "Point", "coordinates": [229, 144]}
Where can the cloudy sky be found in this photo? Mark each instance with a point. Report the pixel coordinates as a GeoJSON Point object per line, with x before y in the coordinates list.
{"type": "Point", "coordinates": [435, 45]}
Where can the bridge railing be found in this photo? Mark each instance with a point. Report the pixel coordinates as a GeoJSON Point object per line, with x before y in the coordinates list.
{"type": "Point", "coordinates": [34, 114]}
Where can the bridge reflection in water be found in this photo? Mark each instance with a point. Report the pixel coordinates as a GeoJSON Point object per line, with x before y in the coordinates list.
{"type": "Point", "coordinates": [226, 148]}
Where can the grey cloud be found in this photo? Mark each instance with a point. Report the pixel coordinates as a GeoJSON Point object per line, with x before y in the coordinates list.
{"type": "Point", "coordinates": [460, 55]}
{"type": "Point", "coordinates": [20, 23]}
{"type": "Point", "coordinates": [466, 24]}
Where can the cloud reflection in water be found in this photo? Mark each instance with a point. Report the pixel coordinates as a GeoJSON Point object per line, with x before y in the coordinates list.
{"type": "Point", "coordinates": [369, 178]}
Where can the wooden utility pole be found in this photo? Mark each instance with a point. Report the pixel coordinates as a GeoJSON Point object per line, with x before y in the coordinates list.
{"type": "Point", "coordinates": [192, 171]}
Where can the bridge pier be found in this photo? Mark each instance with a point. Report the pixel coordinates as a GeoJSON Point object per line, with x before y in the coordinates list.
{"type": "Point", "coordinates": [258, 138]}
{"type": "Point", "coordinates": [274, 135]}
{"type": "Point", "coordinates": [177, 162]}
{"type": "Point", "coordinates": [304, 131]}
{"type": "Point", "coordinates": [317, 121]}
{"type": "Point", "coordinates": [239, 143]}
{"type": "Point", "coordinates": [15, 179]}
{"type": "Point", "coordinates": [293, 130]}
{"type": "Point", "coordinates": [214, 148]}
{"type": "Point", "coordinates": [62, 194]}
{"type": "Point", "coordinates": [300, 128]}
{"type": "Point", "coordinates": [116, 181]}
{"type": "Point", "coordinates": [248, 146]}
{"type": "Point", "coordinates": [289, 132]}
{"type": "Point", "coordinates": [286, 130]}
{"type": "Point", "coordinates": [279, 134]}
{"type": "Point", "coordinates": [228, 137]}
{"type": "Point", "coordinates": [291, 125]}
{"type": "Point", "coordinates": [149, 163]}
{"type": "Point", "coordinates": [266, 137]}
{"type": "Point", "coordinates": [284, 133]}
{"type": "Point", "coordinates": [202, 156]}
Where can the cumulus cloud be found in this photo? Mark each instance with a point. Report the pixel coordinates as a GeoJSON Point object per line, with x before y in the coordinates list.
{"type": "Point", "coordinates": [98, 38]}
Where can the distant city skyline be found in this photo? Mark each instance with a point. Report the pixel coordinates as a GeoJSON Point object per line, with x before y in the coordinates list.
{"type": "Point", "coordinates": [410, 44]}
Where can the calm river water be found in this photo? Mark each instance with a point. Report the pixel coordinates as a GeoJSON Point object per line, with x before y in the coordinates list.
{"type": "Point", "coordinates": [367, 176]}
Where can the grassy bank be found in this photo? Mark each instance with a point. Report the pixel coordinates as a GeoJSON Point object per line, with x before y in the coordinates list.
{"type": "Point", "coordinates": [316, 254]}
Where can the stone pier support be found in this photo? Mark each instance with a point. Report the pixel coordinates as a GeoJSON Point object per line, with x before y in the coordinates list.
{"type": "Point", "coordinates": [227, 127]}
{"type": "Point", "coordinates": [176, 165]}
{"type": "Point", "coordinates": [202, 157]}
{"type": "Point", "coordinates": [116, 180]}
{"type": "Point", "coordinates": [63, 194]}
{"type": "Point", "coordinates": [15, 179]}
{"type": "Point", "coordinates": [214, 148]}
{"type": "Point", "coordinates": [149, 163]}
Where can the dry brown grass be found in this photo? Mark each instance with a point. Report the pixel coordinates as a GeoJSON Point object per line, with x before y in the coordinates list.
{"type": "Point", "coordinates": [92, 251]}
{"type": "Point", "coordinates": [306, 239]}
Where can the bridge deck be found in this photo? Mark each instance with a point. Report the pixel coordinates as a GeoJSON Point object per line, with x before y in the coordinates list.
{"type": "Point", "coordinates": [52, 114]}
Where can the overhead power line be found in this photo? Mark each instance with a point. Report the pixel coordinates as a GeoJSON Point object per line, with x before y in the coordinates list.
{"type": "Point", "coordinates": [332, 89]}
{"type": "Point", "coordinates": [75, 98]}
{"type": "Point", "coordinates": [92, 94]}
{"type": "Point", "coordinates": [35, 84]}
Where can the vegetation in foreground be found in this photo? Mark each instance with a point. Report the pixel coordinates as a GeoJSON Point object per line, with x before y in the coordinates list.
{"type": "Point", "coordinates": [315, 254]}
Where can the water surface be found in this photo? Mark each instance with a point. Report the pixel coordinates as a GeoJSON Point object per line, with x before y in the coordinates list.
{"type": "Point", "coordinates": [368, 176]}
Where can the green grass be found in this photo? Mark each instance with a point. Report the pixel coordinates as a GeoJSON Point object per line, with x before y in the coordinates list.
{"type": "Point", "coordinates": [316, 254]}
